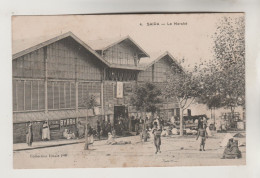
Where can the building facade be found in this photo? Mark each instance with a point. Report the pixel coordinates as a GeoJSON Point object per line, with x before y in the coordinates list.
{"type": "Point", "coordinates": [52, 80]}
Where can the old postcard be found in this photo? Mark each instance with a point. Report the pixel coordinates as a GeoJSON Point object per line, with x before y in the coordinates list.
{"type": "Point", "coordinates": [128, 90]}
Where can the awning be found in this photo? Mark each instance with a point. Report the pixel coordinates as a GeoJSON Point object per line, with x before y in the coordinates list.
{"type": "Point", "coordinates": [52, 115]}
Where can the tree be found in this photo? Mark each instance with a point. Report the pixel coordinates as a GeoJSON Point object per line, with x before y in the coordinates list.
{"type": "Point", "coordinates": [225, 79]}
{"type": "Point", "coordinates": [146, 97]}
{"type": "Point", "coordinates": [89, 103]}
{"type": "Point", "coordinates": [211, 87]}
{"type": "Point", "coordinates": [185, 86]}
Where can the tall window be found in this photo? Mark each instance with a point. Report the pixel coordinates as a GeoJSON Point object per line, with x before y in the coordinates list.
{"type": "Point", "coordinates": [28, 95]}
{"type": "Point", "coordinates": [86, 89]}
{"type": "Point", "coordinates": [61, 95]}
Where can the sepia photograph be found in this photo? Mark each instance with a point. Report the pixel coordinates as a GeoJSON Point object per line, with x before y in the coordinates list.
{"type": "Point", "coordinates": [128, 90]}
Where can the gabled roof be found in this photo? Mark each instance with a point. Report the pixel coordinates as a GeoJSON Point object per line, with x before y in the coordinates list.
{"type": "Point", "coordinates": [57, 38]}
{"type": "Point", "coordinates": [104, 44]}
{"type": "Point", "coordinates": [19, 45]}
{"type": "Point", "coordinates": [148, 63]}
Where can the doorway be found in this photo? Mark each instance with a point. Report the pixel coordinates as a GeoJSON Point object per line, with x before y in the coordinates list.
{"type": "Point", "coordinates": [121, 117]}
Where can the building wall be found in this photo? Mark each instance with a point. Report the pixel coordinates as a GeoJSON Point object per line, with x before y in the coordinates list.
{"type": "Point", "coordinates": [30, 65]}
{"type": "Point", "coordinates": [160, 71]}
{"type": "Point", "coordinates": [146, 75]}
{"type": "Point", "coordinates": [121, 53]}
{"type": "Point", "coordinates": [168, 108]}
{"type": "Point", "coordinates": [68, 60]}
{"type": "Point", "coordinates": [110, 99]}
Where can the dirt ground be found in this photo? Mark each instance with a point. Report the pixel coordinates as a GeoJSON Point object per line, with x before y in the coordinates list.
{"type": "Point", "coordinates": [175, 151]}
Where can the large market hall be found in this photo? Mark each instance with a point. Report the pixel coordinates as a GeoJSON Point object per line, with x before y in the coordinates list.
{"type": "Point", "coordinates": [53, 78]}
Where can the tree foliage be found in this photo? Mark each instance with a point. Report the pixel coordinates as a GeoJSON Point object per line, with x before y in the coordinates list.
{"type": "Point", "coordinates": [224, 77]}
{"type": "Point", "coordinates": [90, 102]}
{"type": "Point", "coordinates": [184, 85]}
{"type": "Point", "coordinates": [146, 97]}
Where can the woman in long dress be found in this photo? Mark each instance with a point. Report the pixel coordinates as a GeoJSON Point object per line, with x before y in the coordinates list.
{"type": "Point", "coordinates": [29, 135]}
{"type": "Point", "coordinates": [45, 131]}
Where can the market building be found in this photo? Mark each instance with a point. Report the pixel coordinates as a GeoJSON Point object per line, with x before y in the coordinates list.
{"type": "Point", "coordinates": [52, 80]}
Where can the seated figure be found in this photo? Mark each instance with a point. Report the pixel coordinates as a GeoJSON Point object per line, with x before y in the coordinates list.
{"type": "Point", "coordinates": [232, 151]}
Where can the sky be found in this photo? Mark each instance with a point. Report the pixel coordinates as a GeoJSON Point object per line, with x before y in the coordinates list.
{"type": "Point", "coordinates": [191, 41]}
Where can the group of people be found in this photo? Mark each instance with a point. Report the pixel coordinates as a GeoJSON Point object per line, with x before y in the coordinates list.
{"type": "Point", "coordinates": [138, 124]}
{"type": "Point", "coordinates": [68, 134]}
{"type": "Point", "coordinates": [45, 131]}
{"type": "Point", "coordinates": [155, 127]}
{"type": "Point", "coordinates": [231, 150]}
{"type": "Point", "coordinates": [104, 128]}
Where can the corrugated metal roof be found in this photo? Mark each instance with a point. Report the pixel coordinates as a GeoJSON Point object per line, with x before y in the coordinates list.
{"type": "Point", "coordinates": [57, 38]}
{"type": "Point", "coordinates": [103, 44]}
{"type": "Point", "coordinates": [100, 44]}
{"type": "Point", "coordinates": [155, 57]}
{"type": "Point", "coordinates": [23, 44]}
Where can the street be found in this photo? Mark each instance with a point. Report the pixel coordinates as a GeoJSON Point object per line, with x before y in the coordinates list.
{"type": "Point", "coordinates": [175, 151]}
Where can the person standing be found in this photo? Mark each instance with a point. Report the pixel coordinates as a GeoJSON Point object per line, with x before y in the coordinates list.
{"type": "Point", "coordinates": [136, 123]}
{"type": "Point", "coordinates": [45, 131]}
{"type": "Point", "coordinates": [144, 135]}
{"type": "Point", "coordinates": [120, 127]}
{"type": "Point", "coordinates": [29, 134]}
{"type": "Point", "coordinates": [80, 130]}
{"type": "Point", "coordinates": [161, 122]}
{"type": "Point", "coordinates": [108, 126]}
{"type": "Point", "coordinates": [132, 123]}
{"type": "Point", "coordinates": [98, 129]}
{"type": "Point", "coordinates": [103, 128]}
{"type": "Point", "coordinates": [172, 120]}
{"type": "Point", "coordinates": [113, 132]}
{"type": "Point", "coordinates": [157, 137]}
{"type": "Point", "coordinates": [202, 134]}
{"type": "Point", "coordinates": [88, 136]}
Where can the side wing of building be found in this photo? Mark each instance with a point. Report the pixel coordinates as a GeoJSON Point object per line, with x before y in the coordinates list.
{"type": "Point", "coordinates": [158, 72]}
